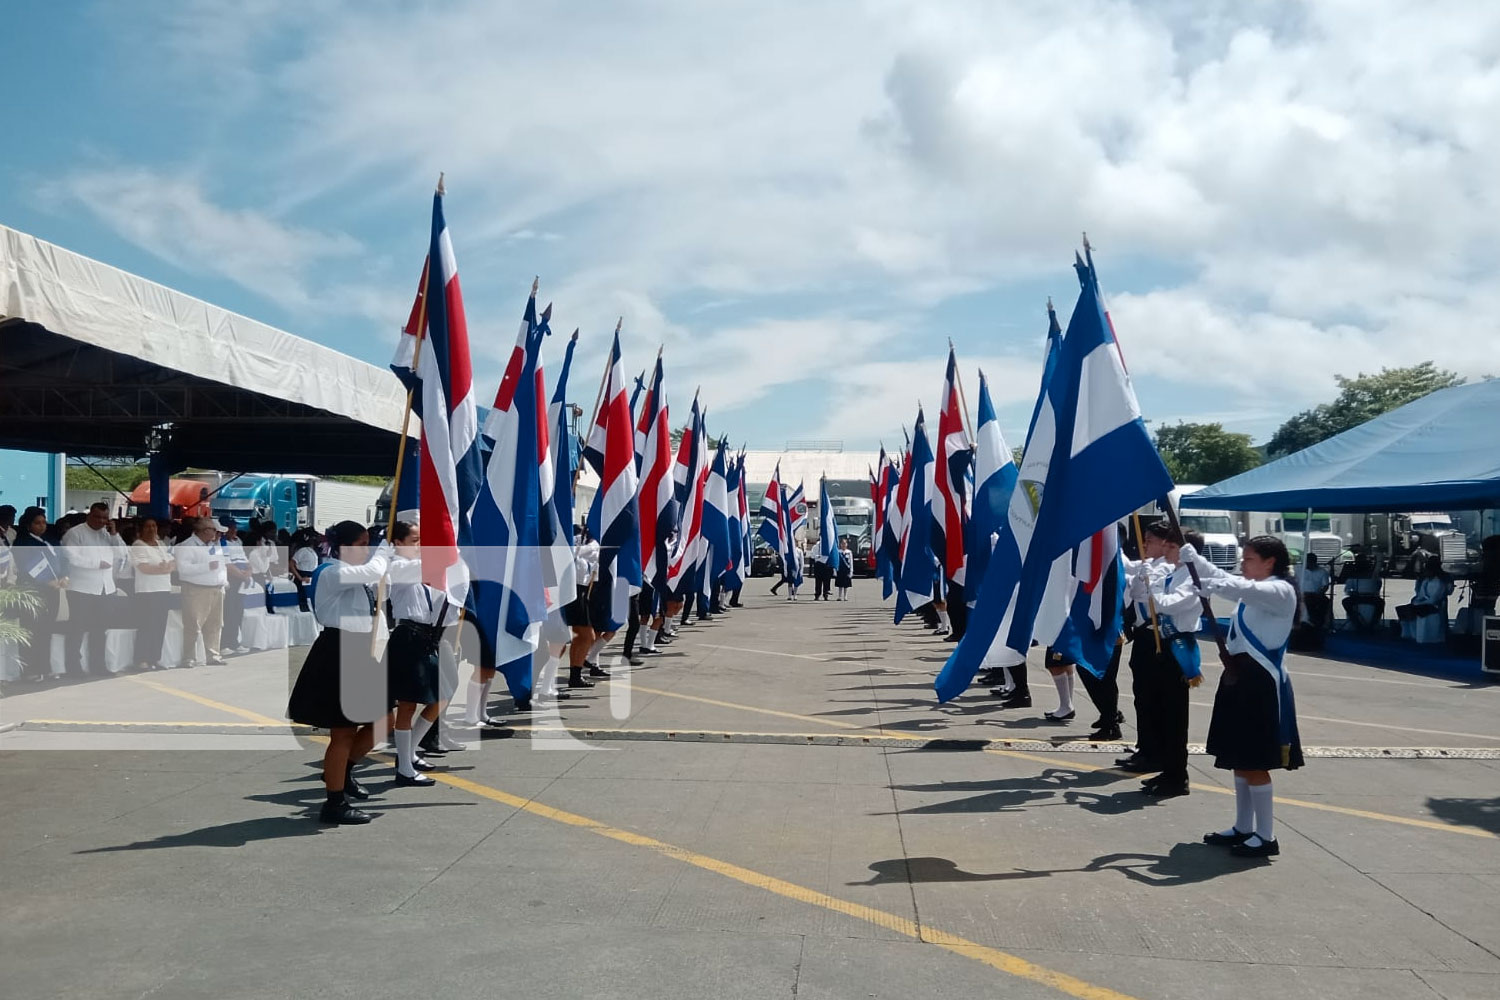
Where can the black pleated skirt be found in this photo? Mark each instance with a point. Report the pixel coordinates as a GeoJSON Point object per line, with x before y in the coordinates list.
{"type": "Point", "coordinates": [1246, 733]}
{"type": "Point", "coordinates": [412, 664]}
{"type": "Point", "coordinates": [340, 684]}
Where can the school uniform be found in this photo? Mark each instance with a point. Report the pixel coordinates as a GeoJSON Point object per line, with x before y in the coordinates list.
{"type": "Point", "coordinates": [1254, 725]}
{"type": "Point", "coordinates": [585, 564]}
{"type": "Point", "coordinates": [422, 614]}
{"type": "Point", "coordinates": [92, 554]}
{"type": "Point", "coordinates": [1165, 714]}
{"type": "Point", "coordinates": [844, 575]}
{"type": "Point", "coordinates": [341, 683]}
{"type": "Point", "coordinates": [1142, 649]}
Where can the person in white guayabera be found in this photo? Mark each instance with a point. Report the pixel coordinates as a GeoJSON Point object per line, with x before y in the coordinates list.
{"type": "Point", "coordinates": [201, 568]}
{"type": "Point", "coordinates": [93, 551]}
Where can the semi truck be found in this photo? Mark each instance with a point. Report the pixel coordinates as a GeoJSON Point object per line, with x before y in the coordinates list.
{"type": "Point", "coordinates": [1221, 536]}
{"type": "Point", "coordinates": [1321, 535]}
{"type": "Point", "coordinates": [1407, 542]}
{"type": "Point", "coordinates": [294, 502]}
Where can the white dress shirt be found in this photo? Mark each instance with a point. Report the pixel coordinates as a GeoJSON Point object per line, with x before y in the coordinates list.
{"type": "Point", "coordinates": [153, 554]}
{"type": "Point", "coordinates": [92, 555]}
{"type": "Point", "coordinates": [412, 600]}
{"type": "Point", "coordinates": [344, 595]}
{"type": "Point", "coordinates": [200, 564]}
{"type": "Point", "coordinates": [1269, 606]}
{"type": "Point", "coordinates": [305, 559]}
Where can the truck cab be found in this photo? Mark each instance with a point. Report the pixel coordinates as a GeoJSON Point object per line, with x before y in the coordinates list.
{"type": "Point", "coordinates": [1290, 526]}
{"type": "Point", "coordinates": [285, 500]}
{"type": "Point", "coordinates": [1221, 542]}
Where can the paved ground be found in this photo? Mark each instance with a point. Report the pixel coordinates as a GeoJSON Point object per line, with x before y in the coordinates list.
{"type": "Point", "coordinates": [769, 810]}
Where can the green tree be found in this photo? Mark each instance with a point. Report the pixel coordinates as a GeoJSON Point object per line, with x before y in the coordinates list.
{"type": "Point", "coordinates": [1204, 453]}
{"type": "Point", "coordinates": [1361, 398]}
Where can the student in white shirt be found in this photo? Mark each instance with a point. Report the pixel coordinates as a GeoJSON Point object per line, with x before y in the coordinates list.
{"type": "Point", "coordinates": [341, 686]}
{"type": "Point", "coordinates": [200, 567]}
{"type": "Point", "coordinates": [152, 564]}
{"type": "Point", "coordinates": [41, 570]}
{"type": "Point", "coordinates": [92, 552]}
{"type": "Point", "coordinates": [1254, 726]}
{"type": "Point", "coordinates": [240, 580]}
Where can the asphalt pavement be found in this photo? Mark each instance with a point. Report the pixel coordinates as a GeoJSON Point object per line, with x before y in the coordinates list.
{"type": "Point", "coordinates": [776, 807]}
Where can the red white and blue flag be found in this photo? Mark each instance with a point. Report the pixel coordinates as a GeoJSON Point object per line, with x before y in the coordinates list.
{"type": "Point", "coordinates": [658, 504]}
{"type": "Point", "coordinates": [954, 454]}
{"type": "Point", "coordinates": [432, 360]}
{"type": "Point", "coordinates": [614, 518]}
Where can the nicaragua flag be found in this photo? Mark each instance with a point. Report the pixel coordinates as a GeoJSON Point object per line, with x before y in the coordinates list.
{"type": "Point", "coordinates": [895, 521]}
{"type": "Point", "coordinates": [950, 470]}
{"type": "Point", "coordinates": [994, 478]}
{"type": "Point", "coordinates": [770, 512]}
{"type": "Point", "coordinates": [889, 476]}
{"type": "Point", "coordinates": [747, 544]}
{"type": "Point", "coordinates": [1100, 465]}
{"type": "Point", "coordinates": [919, 564]}
{"type": "Point", "coordinates": [1097, 614]}
{"type": "Point", "coordinates": [828, 529]}
{"type": "Point", "coordinates": [508, 597]}
{"type": "Point", "coordinates": [614, 517]}
{"type": "Point", "coordinates": [658, 505]}
{"type": "Point", "coordinates": [717, 529]}
{"type": "Point", "coordinates": [790, 556]}
{"type": "Point", "coordinates": [734, 575]}
{"type": "Point", "coordinates": [432, 360]}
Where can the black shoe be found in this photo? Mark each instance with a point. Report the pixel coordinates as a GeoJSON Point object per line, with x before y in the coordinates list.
{"type": "Point", "coordinates": [423, 765]}
{"type": "Point", "coordinates": [217, 661]}
{"type": "Point", "coordinates": [1159, 789]}
{"type": "Point", "coordinates": [1013, 700]}
{"type": "Point", "coordinates": [579, 683]}
{"type": "Point", "coordinates": [635, 661]}
{"type": "Point", "coordinates": [432, 751]}
{"type": "Point", "coordinates": [353, 789]}
{"type": "Point", "coordinates": [650, 652]}
{"type": "Point", "coordinates": [950, 637]}
{"type": "Point", "coordinates": [495, 721]}
{"type": "Point", "coordinates": [1054, 717]}
{"type": "Point", "coordinates": [599, 672]}
{"type": "Point", "coordinates": [1264, 849]}
{"type": "Point", "coordinates": [1119, 718]}
{"type": "Point", "coordinates": [562, 696]}
{"type": "Point", "coordinates": [1232, 840]}
{"type": "Point", "coordinates": [1135, 765]}
{"type": "Point", "coordinates": [416, 781]}
{"type": "Point", "coordinates": [523, 705]}
{"type": "Point", "coordinates": [341, 813]}
{"type": "Point", "coordinates": [1107, 734]}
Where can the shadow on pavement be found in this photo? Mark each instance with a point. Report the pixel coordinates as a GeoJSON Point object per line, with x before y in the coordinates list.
{"type": "Point", "coordinates": [236, 834]}
{"type": "Point", "coordinates": [1186, 864]}
{"type": "Point", "coordinates": [1483, 814]}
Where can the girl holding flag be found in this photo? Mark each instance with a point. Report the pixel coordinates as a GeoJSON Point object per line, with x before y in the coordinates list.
{"type": "Point", "coordinates": [1254, 727]}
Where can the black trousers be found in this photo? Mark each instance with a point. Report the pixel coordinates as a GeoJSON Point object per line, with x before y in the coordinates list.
{"type": "Point", "coordinates": [87, 616]}
{"type": "Point", "coordinates": [36, 655]}
{"type": "Point", "coordinates": [639, 609]}
{"type": "Point", "coordinates": [958, 611]}
{"type": "Point", "coordinates": [150, 614]}
{"type": "Point", "coordinates": [734, 597]}
{"type": "Point", "coordinates": [1162, 710]}
{"type": "Point", "coordinates": [1104, 691]}
{"type": "Point", "coordinates": [1019, 679]}
{"type": "Point", "coordinates": [821, 585]}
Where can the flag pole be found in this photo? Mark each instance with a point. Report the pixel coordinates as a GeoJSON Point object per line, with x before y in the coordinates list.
{"type": "Point", "coordinates": [603, 381]}
{"type": "Point", "coordinates": [958, 378]}
{"type": "Point", "coordinates": [1208, 608]}
{"type": "Point", "coordinates": [416, 356]}
{"type": "Point", "coordinates": [1140, 541]}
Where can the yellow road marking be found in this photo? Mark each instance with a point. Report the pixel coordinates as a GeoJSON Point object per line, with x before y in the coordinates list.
{"type": "Point", "coordinates": [993, 957]}
{"type": "Point", "coordinates": [137, 723]}
{"type": "Point", "coordinates": [244, 713]}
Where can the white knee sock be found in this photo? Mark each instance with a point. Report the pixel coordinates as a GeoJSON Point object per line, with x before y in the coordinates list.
{"type": "Point", "coordinates": [1244, 809]}
{"type": "Point", "coordinates": [648, 639]}
{"type": "Point", "coordinates": [419, 729]}
{"type": "Point", "coordinates": [1265, 826]}
{"type": "Point", "coordinates": [403, 753]}
{"type": "Point", "coordinates": [1064, 694]}
{"type": "Point", "coordinates": [475, 703]}
{"type": "Point", "coordinates": [595, 649]}
{"type": "Point", "coordinates": [943, 617]}
{"type": "Point", "coordinates": [1072, 676]}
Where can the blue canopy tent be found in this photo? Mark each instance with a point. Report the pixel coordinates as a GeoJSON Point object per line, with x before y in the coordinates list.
{"type": "Point", "coordinates": [1441, 452]}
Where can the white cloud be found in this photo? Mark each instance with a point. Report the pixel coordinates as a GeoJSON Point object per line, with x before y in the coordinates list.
{"type": "Point", "coordinates": [1294, 189]}
{"type": "Point", "coordinates": [173, 219]}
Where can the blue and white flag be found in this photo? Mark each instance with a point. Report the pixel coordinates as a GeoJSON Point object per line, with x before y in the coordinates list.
{"type": "Point", "coordinates": [919, 565]}
{"type": "Point", "coordinates": [828, 529]}
{"type": "Point", "coordinates": [556, 534]}
{"type": "Point", "coordinates": [994, 478]}
{"type": "Point", "coordinates": [734, 575]}
{"type": "Point", "coordinates": [770, 512]}
{"type": "Point", "coordinates": [1094, 463]}
{"type": "Point", "coordinates": [716, 514]}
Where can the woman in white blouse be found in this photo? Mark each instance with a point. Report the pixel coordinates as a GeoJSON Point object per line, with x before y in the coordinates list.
{"type": "Point", "coordinates": [152, 563]}
{"type": "Point", "coordinates": [341, 686]}
{"type": "Point", "coordinates": [1254, 727]}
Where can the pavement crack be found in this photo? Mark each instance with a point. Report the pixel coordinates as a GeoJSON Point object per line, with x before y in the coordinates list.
{"type": "Point", "coordinates": [797, 969]}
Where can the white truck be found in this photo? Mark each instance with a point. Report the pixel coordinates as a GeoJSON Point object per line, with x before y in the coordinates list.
{"type": "Point", "coordinates": [1221, 542]}
{"type": "Point", "coordinates": [1321, 535]}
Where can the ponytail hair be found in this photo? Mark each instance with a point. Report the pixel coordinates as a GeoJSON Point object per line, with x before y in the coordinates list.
{"type": "Point", "coordinates": [401, 532]}
{"type": "Point", "coordinates": [344, 533]}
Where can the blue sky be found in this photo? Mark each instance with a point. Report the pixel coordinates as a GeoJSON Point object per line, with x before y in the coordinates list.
{"type": "Point", "coordinates": [803, 203]}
